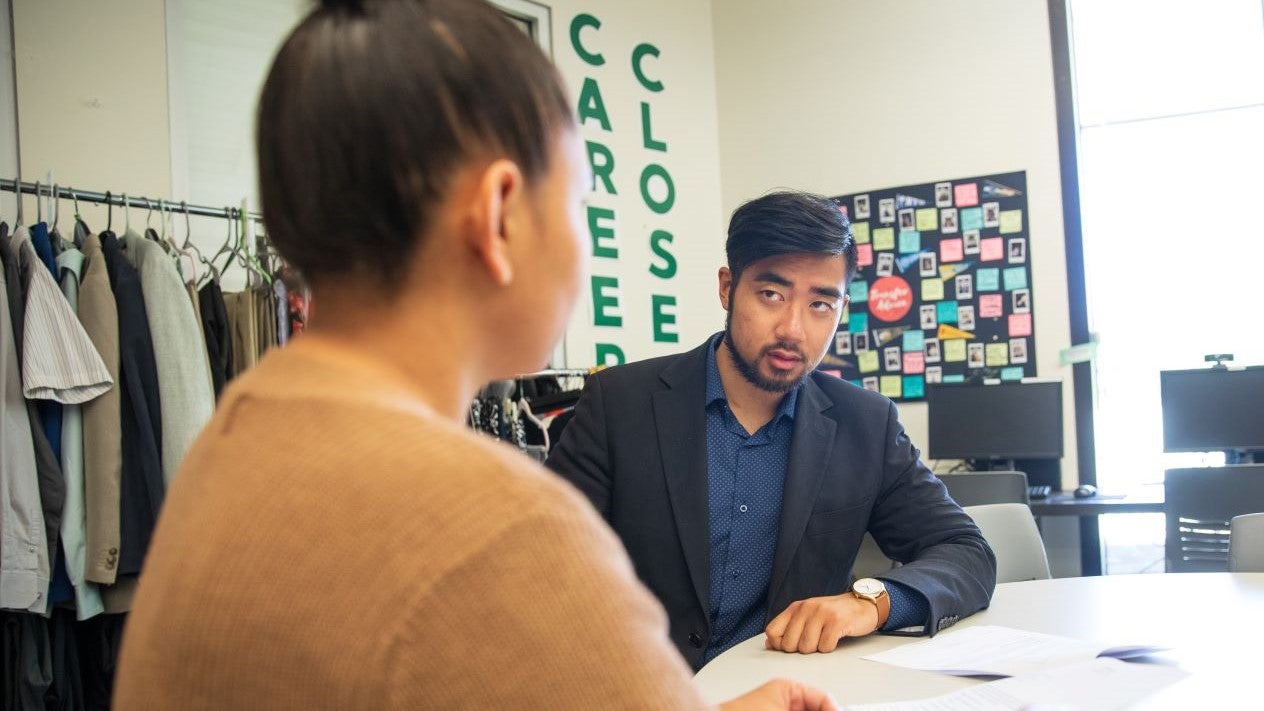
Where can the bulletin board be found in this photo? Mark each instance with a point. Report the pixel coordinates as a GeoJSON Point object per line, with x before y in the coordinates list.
{"type": "Point", "coordinates": [943, 291]}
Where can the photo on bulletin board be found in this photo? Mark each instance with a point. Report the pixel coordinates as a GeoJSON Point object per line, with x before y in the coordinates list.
{"type": "Point", "coordinates": [943, 290]}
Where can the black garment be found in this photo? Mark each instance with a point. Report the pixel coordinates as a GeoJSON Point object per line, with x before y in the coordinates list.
{"type": "Point", "coordinates": [99, 639]}
{"type": "Point", "coordinates": [26, 664]}
{"type": "Point", "coordinates": [219, 345]}
{"type": "Point", "coordinates": [66, 691]}
{"type": "Point", "coordinates": [142, 488]}
{"type": "Point", "coordinates": [52, 485]}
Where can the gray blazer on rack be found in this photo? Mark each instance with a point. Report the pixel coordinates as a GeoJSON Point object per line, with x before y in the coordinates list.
{"type": "Point", "coordinates": [637, 449]}
{"type": "Point", "coordinates": [184, 379]}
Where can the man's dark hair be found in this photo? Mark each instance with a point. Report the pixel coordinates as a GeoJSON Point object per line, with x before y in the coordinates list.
{"type": "Point", "coordinates": [788, 222]}
{"type": "Point", "coordinates": [369, 108]}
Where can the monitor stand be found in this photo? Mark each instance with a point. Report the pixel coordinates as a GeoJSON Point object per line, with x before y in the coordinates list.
{"type": "Point", "coordinates": [1040, 472]}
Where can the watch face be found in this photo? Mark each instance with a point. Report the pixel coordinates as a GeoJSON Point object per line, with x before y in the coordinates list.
{"type": "Point", "coordinates": [869, 586]}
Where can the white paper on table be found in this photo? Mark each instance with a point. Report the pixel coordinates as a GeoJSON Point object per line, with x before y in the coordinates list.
{"type": "Point", "coordinates": [1101, 684]}
{"type": "Point", "coordinates": [992, 650]}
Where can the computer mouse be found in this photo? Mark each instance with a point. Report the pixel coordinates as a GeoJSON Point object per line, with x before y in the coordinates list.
{"type": "Point", "coordinates": [1085, 491]}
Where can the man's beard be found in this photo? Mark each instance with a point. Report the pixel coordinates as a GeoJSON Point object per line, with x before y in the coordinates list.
{"type": "Point", "coordinates": [750, 370]}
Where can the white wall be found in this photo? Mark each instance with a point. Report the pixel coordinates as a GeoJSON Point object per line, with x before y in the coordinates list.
{"type": "Point", "coordinates": [92, 98]}
{"type": "Point", "coordinates": [9, 114]}
{"type": "Point", "coordinates": [847, 96]}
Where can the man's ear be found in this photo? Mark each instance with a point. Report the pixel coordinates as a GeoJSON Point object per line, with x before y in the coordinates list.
{"type": "Point", "coordinates": [496, 213]}
{"type": "Point", "coordinates": [726, 283]}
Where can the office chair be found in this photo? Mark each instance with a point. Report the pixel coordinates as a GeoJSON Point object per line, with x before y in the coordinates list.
{"type": "Point", "coordinates": [1246, 543]}
{"type": "Point", "coordinates": [1198, 504]}
{"type": "Point", "coordinates": [1011, 532]}
{"type": "Point", "coordinates": [978, 488]}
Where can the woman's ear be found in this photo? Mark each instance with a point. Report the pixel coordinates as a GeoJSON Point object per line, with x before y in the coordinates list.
{"type": "Point", "coordinates": [497, 212]}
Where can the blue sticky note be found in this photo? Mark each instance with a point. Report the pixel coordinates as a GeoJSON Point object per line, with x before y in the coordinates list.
{"type": "Point", "coordinates": [947, 311]}
{"type": "Point", "coordinates": [954, 378]}
{"type": "Point", "coordinates": [987, 279]}
{"type": "Point", "coordinates": [971, 218]}
{"type": "Point", "coordinates": [1011, 373]}
{"type": "Point", "coordinates": [859, 291]}
{"type": "Point", "coordinates": [914, 341]}
{"type": "Point", "coordinates": [910, 242]}
{"type": "Point", "coordinates": [858, 323]}
{"type": "Point", "coordinates": [856, 383]}
{"type": "Point", "coordinates": [1015, 278]}
{"type": "Point", "coordinates": [914, 386]}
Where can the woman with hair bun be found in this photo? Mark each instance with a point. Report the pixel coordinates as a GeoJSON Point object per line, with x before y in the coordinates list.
{"type": "Point", "coordinates": [337, 539]}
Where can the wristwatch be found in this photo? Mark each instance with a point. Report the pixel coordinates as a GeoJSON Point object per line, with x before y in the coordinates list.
{"type": "Point", "coordinates": [874, 591]}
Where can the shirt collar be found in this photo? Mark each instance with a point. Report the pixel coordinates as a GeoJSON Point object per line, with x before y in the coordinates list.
{"type": "Point", "coordinates": [715, 387]}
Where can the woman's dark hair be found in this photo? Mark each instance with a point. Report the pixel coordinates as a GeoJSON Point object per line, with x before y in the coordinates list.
{"type": "Point", "coordinates": [369, 108]}
{"type": "Point", "coordinates": [788, 222]}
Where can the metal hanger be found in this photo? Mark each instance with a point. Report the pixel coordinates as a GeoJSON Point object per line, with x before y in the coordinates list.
{"type": "Point", "coordinates": [109, 212]}
{"type": "Point", "coordinates": [39, 205]}
{"type": "Point", "coordinates": [127, 215]}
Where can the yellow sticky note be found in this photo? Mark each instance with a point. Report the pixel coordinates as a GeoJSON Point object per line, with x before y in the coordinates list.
{"type": "Point", "coordinates": [890, 385]}
{"type": "Point", "coordinates": [932, 289]}
{"type": "Point", "coordinates": [927, 219]}
{"type": "Point", "coordinates": [860, 230]}
{"type": "Point", "coordinates": [868, 361]}
{"type": "Point", "coordinates": [954, 351]}
{"type": "Point", "coordinates": [997, 354]}
{"type": "Point", "coordinates": [1011, 221]}
{"type": "Point", "coordinates": [884, 238]}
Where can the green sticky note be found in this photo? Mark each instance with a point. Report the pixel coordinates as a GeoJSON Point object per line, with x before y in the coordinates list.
{"type": "Point", "coordinates": [884, 238]}
{"type": "Point", "coordinates": [867, 361]}
{"type": "Point", "coordinates": [859, 291]}
{"type": "Point", "coordinates": [1015, 278]}
{"type": "Point", "coordinates": [954, 351]}
{"type": "Point", "coordinates": [889, 385]}
{"type": "Point", "coordinates": [858, 323]}
{"type": "Point", "coordinates": [914, 386]}
{"type": "Point", "coordinates": [1012, 373]}
{"type": "Point", "coordinates": [860, 232]}
{"type": "Point", "coordinates": [914, 341]}
{"type": "Point", "coordinates": [971, 218]}
{"type": "Point", "coordinates": [955, 378]}
{"type": "Point", "coordinates": [932, 289]}
{"type": "Point", "coordinates": [1011, 221]}
{"type": "Point", "coordinates": [910, 242]}
{"type": "Point", "coordinates": [996, 354]}
{"type": "Point", "coordinates": [947, 311]}
{"type": "Point", "coordinates": [987, 279]}
{"type": "Point", "coordinates": [1080, 353]}
{"type": "Point", "coordinates": [928, 219]}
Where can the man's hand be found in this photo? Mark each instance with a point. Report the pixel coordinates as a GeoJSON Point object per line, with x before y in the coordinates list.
{"type": "Point", "coordinates": [818, 623]}
{"type": "Point", "coordinates": [782, 695]}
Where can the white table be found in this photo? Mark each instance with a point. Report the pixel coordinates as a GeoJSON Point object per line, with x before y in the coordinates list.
{"type": "Point", "coordinates": [1214, 623]}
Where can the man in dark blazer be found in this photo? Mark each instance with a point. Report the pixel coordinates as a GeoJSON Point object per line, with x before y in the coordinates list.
{"type": "Point", "coordinates": [741, 481]}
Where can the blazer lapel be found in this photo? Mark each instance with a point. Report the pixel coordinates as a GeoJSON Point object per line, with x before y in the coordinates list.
{"type": "Point", "coordinates": [810, 450]}
{"type": "Point", "coordinates": [680, 419]}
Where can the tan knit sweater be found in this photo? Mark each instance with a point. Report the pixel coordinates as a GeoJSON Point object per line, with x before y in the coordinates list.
{"type": "Point", "coordinates": [330, 543]}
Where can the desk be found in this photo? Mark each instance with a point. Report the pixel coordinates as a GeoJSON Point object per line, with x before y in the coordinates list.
{"type": "Point", "coordinates": [1143, 499]}
{"type": "Point", "coordinates": [1215, 638]}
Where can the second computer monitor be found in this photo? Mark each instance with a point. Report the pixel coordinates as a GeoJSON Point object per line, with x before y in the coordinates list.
{"type": "Point", "coordinates": [1002, 421]}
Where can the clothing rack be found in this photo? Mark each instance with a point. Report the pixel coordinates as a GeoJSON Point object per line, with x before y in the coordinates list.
{"type": "Point", "coordinates": [110, 198]}
{"type": "Point", "coordinates": [554, 372]}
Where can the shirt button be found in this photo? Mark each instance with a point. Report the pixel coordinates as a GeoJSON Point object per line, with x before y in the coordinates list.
{"type": "Point", "coordinates": [742, 508]}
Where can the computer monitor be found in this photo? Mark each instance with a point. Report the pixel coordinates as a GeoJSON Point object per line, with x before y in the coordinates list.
{"type": "Point", "coordinates": [1001, 421]}
{"type": "Point", "coordinates": [1212, 409]}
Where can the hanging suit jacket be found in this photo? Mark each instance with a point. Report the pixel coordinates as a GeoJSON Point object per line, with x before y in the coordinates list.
{"type": "Point", "coordinates": [637, 449]}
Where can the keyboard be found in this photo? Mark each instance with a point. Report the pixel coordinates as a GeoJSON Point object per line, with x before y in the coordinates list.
{"type": "Point", "coordinates": [1041, 491]}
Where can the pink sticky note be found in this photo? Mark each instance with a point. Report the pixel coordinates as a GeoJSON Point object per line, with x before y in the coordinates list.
{"type": "Point", "coordinates": [967, 194]}
{"type": "Point", "coordinates": [950, 250]}
{"type": "Point", "coordinates": [991, 249]}
{"type": "Point", "coordinates": [1019, 325]}
{"type": "Point", "coordinates": [914, 363]}
{"type": "Point", "coordinates": [864, 254]}
{"type": "Point", "coordinates": [990, 306]}
{"type": "Point", "coordinates": [843, 209]}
